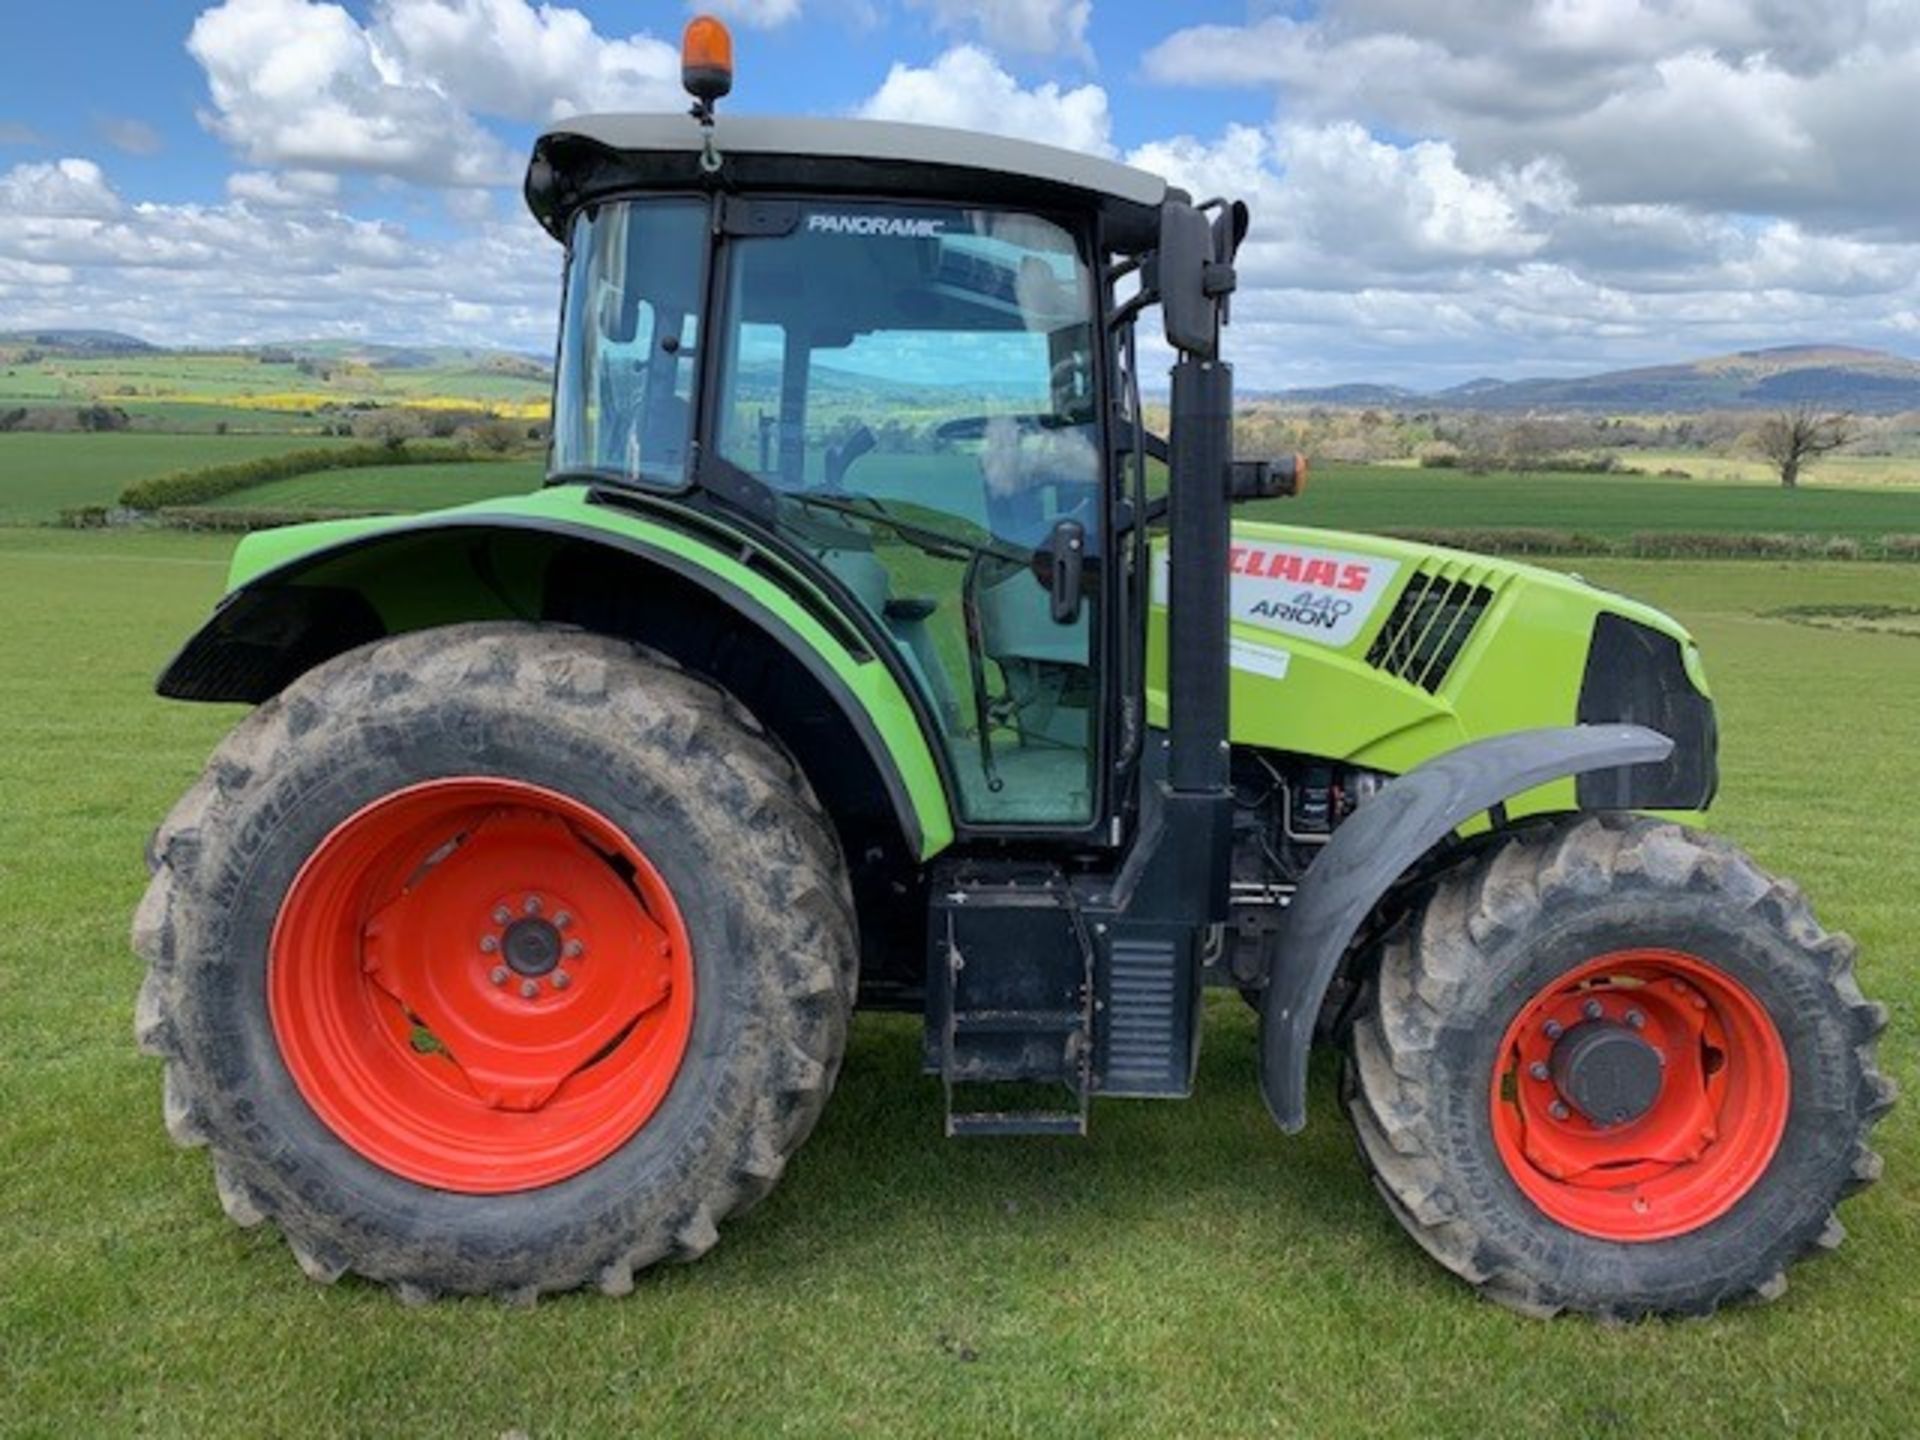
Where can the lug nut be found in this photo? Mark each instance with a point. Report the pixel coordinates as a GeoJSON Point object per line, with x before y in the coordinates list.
{"type": "Point", "coordinates": [529, 989]}
{"type": "Point", "coordinates": [1636, 1019]}
{"type": "Point", "coordinates": [561, 920]}
{"type": "Point", "coordinates": [575, 949]}
{"type": "Point", "coordinates": [489, 944]}
{"type": "Point", "coordinates": [1538, 1070]}
{"type": "Point", "coordinates": [1558, 1111]}
{"type": "Point", "coordinates": [561, 979]}
{"type": "Point", "coordinates": [1554, 1029]}
{"type": "Point", "coordinates": [501, 915]}
{"type": "Point", "coordinates": [499, 976]}
{"type": "Point", "coordinates": [532, 906]}
{"type": "Point", "coordinates": [1592, 1010]}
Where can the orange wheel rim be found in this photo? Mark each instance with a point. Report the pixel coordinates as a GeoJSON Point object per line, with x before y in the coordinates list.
{"type": "Point", "coordinates": [481, 985]}
{"type": "Point", "coordinates": [1707, 1090]}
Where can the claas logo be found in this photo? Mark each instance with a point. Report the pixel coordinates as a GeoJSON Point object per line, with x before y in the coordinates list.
{"type": "Point", "coordinates": [1297, 569]}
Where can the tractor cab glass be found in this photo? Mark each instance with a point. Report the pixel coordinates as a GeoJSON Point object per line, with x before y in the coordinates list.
{"type": "Point", "coordinates": [623, 404]}
{"type": "Point", "coordinates": [916, 386]}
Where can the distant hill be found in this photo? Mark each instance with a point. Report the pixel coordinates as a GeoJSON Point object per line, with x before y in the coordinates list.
{"type": "Point", "coordinates": [1841, 377]}
{"type": "Point", "coordinates": [78, 343]}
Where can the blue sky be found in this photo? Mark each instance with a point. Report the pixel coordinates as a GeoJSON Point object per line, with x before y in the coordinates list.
{"type": "Point", "coordinates": [1440, 190]}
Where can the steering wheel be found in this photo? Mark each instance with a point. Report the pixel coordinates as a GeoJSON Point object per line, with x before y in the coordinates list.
{"type": "Point", "coordinates": [840, 457]}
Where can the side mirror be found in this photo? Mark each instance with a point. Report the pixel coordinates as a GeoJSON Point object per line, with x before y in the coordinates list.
{"type": "Point", "coordinates": [1191, 318]}
{"type": "Point", "coordinates": [1269, 479]}
{"type": "Point", "coordinates": [1195, 272]}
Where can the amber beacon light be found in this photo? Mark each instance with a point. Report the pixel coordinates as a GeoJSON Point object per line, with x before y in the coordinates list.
{"type": "Point", "coordinates": [706, 59]}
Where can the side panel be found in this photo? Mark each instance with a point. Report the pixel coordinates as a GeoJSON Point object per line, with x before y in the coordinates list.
{"type": "Point", "coordinates": [360, 577]}
{"type": "Point", "coordinates": [1384, 654]}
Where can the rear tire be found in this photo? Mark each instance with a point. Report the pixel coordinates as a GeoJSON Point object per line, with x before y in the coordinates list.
{"type": "Point", "coordinates": [1437, 1094]}
{"type": "Point", "coordinates": [674, 771]}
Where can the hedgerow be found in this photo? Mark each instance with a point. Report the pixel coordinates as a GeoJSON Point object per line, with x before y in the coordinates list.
{"type": "Point", "coordinates": [211, 482]}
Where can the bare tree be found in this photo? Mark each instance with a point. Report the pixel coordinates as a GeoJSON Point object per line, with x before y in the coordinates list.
{"type": "Point", "coordinates": [1791, 440]}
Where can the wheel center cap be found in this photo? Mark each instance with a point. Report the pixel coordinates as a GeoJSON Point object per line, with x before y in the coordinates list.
{"type": "Point", "coordinates": [1607, 1072]}
{"type": "Point", "coordinates": [532, 946]}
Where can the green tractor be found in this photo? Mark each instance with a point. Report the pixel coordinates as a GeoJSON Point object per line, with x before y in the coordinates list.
{"type": "Point", "coordinates": [866, 648]}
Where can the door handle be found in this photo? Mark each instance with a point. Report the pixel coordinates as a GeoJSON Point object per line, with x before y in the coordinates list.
{"type": "Point", "coordinates": [1066, 558]}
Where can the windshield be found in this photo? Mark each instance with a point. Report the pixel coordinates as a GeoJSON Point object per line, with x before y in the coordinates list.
{"type": "Point", "coordinates": [623, 399]}
{"type": "Point", "coordinates": [915, 384]}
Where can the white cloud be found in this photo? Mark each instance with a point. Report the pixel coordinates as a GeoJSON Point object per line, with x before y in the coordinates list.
{"type": "Point", "coordinates": [759, 14]}
{"type": "Point", "coordinates": [70, 247]}
{"type": "Point", "coordinates": [966, 88]}
{"type": "Point", "coordinates": [1033, 27]}
{"type": "Point", "coordinates": [57, 189]}
{"type": "Point", "coordinates": [284, 189]}
{"type": "Point", "coordinates": [1768, 106]}
{"type": "Point", "coordinates": [302, 84]}
{"type": "Point", "coordinates": [504, 57]}
{"type": "Point", "coordinates": [130, 136]}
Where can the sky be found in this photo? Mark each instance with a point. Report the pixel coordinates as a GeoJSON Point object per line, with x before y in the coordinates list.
{"type": "Point", "coordinates": [1441, 189]}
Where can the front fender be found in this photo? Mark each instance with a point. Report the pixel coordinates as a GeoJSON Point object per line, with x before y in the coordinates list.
{"type": "Point", "coordinates": [304, 594]}
{"type": "Point", "coordinates": [1378, 844]}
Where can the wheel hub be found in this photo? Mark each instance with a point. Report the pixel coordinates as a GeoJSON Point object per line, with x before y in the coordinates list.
{"type": "Point", "coordinates": [1606, 1072]}
{"type": "Point", "coordinates": [532, 946]}
{"type": "Point", "coordinates": [481, 985]}
{"type": "Point", "coordinates": [1639, 1095]}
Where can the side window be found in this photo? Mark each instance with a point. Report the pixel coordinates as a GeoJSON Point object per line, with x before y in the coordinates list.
{"type": "Point", "coordinates": [749, 426]}
{"type": "Point", "coordinates": [629, 343]}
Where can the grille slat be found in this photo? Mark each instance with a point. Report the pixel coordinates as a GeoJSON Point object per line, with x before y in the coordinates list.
{"type": "Point", "coordinates": [1431, 623]}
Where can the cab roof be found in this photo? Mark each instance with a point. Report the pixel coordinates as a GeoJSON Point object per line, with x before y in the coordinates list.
{"type": "Point", "coordinates": [589, 156]}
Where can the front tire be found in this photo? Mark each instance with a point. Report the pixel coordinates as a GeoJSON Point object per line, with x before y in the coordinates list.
{"type": "Point", "coordinates": [496, 959]}
{"type": "Point", "coordinates": [1613, 1067]}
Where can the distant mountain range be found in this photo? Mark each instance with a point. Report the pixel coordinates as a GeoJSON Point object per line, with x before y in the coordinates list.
{"type": "Point", "coordinates": [1840, 377]}
{"type": "Point", "coordinates": [101, 344]}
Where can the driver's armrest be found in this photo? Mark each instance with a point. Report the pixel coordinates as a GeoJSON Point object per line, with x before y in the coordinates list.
{"type": "Point", "coordinates": [911, 607]}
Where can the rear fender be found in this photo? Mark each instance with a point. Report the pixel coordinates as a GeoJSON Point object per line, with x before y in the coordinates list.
{"type": "Point", "coordinates": [1380, 842]}
{"type": "Point", "coordinates": [363, 582]}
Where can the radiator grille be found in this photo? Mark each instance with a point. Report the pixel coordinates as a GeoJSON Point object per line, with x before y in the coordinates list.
{"type": "Point", "coordinates": [1431, 623]}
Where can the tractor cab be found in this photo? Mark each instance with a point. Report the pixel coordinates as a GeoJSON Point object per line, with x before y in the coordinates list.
{"type": "Point", "coordinates": [903, 362]}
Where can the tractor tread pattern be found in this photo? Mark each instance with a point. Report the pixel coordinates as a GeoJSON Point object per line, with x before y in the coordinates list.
{"type": "Point", "coordinates": [1425, 971]}
{"type": "Point", "coordinates": [799, 898]}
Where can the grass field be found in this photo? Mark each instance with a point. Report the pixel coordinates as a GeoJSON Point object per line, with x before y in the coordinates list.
{"type": "Point", "coordinates": [392, 487]}
{"type": "Point", "coordinates": [1843, 469]}
{"type": "Point", "coordinates": [41, 475]}
{"type": "Point", "coordinates": [1363, 497]}
{"type": "Point", "coordinates": [249, 384]}
{"type": "Point", "coordinates": [1186, 1271]}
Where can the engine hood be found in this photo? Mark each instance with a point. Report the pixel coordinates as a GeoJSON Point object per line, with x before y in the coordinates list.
{"type": "Point", "coordinates": [1383, 653]}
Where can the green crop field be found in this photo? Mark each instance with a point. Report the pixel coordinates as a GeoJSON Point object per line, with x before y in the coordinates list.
{"type": "Point", "coordinates": [41, 475]}
{"type": "Point", "coordinates": [1374, 497]}
{"type": "Point", "coordinates": [1187, 1270]}
{"type": "Point", "coordinates": [392, 487]}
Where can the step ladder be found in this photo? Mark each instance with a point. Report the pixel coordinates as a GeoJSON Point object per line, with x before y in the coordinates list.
{"type": "Point", "coordinates": [1011, 984]}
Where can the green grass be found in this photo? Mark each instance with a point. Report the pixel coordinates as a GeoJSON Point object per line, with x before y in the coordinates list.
{"type": "Point", "coordinates": [1185, 1271]}
{"type": "Point", "coordinates": [1844, 469]}
{"type": "Point", "coordinates": [211, 378]}
{"type": "Point", "coordinates": [41, 475]}
{"type": "Point", "coordinates": [1379, 497]}
{"type": "Point", "coordinates": [391, 487]}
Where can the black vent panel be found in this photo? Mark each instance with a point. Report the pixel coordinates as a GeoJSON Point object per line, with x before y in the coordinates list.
{"type": "Point", "coordinates": [1430, 625]}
